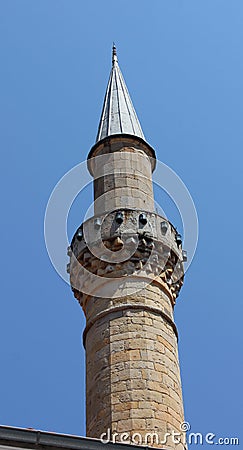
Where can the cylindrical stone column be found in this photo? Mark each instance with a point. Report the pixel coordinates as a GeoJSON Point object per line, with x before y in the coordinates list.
{"type": "Point", "coordinates": [133, 381]}
{"type": "Point", "coordinates": [122, 170]}
{"type": "Point", "coordinates": [132, 370]}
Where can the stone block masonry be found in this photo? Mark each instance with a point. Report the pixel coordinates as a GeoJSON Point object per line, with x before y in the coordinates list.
{"type": "Point", "coordinates": [132, 370]}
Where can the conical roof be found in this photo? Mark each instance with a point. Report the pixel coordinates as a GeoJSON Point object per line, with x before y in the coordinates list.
{"type": "Point", "coordinates": [118, 113]}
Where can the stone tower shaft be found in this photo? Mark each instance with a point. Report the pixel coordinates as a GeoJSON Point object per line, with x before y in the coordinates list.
{"type": "Point", "coordinates": [122, 168]}
{"type": "Point", "coordinates": [126, 271]}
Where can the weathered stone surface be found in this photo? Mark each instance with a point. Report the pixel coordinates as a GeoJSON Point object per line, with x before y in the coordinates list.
{"type": "Point", "coordinates": [141, 380]}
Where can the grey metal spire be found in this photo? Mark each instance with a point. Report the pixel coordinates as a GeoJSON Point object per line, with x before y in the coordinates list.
{"type": "Point", "coordinates": [118, 114]}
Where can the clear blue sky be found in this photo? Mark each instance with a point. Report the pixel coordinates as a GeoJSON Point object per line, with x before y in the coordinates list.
{"type": "Point", "coordinates": [183, 64]}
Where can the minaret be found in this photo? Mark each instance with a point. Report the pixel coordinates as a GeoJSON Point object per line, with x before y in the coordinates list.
{"type": "Point", "coordinates": [126, 271]}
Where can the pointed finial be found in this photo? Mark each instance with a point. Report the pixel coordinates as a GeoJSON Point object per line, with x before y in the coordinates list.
{"type": "Point", "coordinates": [114, 54]}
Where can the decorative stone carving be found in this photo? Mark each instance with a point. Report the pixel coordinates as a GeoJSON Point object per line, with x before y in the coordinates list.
{"type": "Point", "coordinates": [143, 253]}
